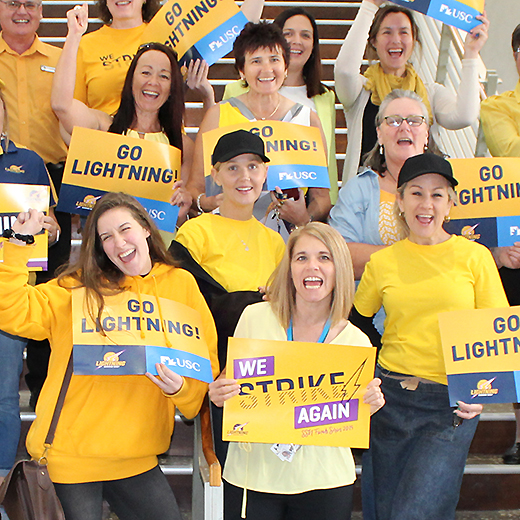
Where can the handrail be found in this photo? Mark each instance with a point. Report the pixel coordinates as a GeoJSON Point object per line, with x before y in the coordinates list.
{"type": "Point", "coordinates": [215, 472]}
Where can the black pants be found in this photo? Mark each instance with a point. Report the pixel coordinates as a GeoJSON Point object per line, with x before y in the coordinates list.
{"type": "Point", "coordinates": [147, 496]}
{"type": "Point", "coordinates": [320, 504]}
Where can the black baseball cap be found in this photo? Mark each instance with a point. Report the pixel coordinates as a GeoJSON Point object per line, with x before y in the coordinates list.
{"type": "Point", "coordinates": [426, 163]}
{"type": "Point", "coordinates": [237, 143]}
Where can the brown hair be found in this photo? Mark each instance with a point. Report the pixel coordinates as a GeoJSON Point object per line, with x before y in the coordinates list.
{"type": "Point", "coordinates": [255, 36]}
{"type": "Point", "coordinates": [94, 270]}
{"type": "Point", "coordinates": [381, 14]}
{"type": "Point", "coordinates": [515, 38]}
{"type": "Point", "coordinates": [281, 291]}
{"type": "Point", "coordinates": [150, 7]}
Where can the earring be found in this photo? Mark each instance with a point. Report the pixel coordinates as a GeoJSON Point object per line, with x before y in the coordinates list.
{"type": "Point", "coordinates": [426, 147]}
{"type": "Point", "coordinates": [447, 218]}
{"type": "Point", "coordinates": [401, 214]}
{"type": "Point", "coordinates": [381, 150]}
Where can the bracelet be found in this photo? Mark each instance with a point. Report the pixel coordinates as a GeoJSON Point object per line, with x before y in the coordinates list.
{"type": "Point", "coordinates": [9, 233]}
{"type": "Point", "coordinates": [199, 207]}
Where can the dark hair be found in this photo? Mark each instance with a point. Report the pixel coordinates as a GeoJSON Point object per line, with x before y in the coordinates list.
{"type": "Point", "coordinates": [378, 20]}
{"type": "Point", "coordinates": [515, 38]}
{"type": "Point", "coordinates": [311, 69]}
{"type": "Point", "coordinates": [150, 7]}
{"type": "Point", "coordinates": [171, 114]}
{"type": "Point", "coordinates": [255, 36]}
{"type": "Point", "coordinates": [94, 270]}
{"type": "Point", "coordinates": [375, 160]}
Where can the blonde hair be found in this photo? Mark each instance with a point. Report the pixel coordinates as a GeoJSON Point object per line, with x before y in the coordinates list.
{"type": "Point", "coordinates": [403, 228]}
{"type": "Point", "coordinates": [281, 291]}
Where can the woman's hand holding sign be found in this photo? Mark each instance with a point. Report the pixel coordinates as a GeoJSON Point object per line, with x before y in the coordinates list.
{"type": "Point", "coordinates": [28, 223]}
{"type": "Point", "coordinates": [223, 389]}
{"type": "Point", "coordinates": [167, 380]}
{"type": "Point", "coordinates": [374, 396]}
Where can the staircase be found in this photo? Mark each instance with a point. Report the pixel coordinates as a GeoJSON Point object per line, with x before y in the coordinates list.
{"type": "Point", "coordinates": [490, 488]}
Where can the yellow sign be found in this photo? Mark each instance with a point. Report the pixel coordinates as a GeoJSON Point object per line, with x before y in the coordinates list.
{"type": "Point", "coordinates": [136, 332]}
{"type": "Point", "coordinates": [100, 162]}
{"type": "Point", "coordinates": [182, 23]}
{"type": "Point", "coordinates": [295, 392]}
{"type": "Point", "coordinates": [488, 187]}
{"type": "Point", "coordinates": [482, 354]}
{"type": "Point", "coordinates": [15, 198]}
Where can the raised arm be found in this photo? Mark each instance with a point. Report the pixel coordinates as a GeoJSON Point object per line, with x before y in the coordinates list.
{"type": "Point", "coordinates": [349, 81]}
{"type": "Point", "coordinates": [252, 9]}
{"type": "Point", "coordinates": [455, 112]}
{"type": "Point", "coordinates": [70, 111]}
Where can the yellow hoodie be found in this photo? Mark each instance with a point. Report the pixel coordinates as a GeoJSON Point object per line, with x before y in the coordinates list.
{"type": "Point", "coordinates": [111, 427]}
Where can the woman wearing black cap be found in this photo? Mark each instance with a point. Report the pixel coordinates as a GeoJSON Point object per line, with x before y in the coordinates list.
{"type": "Point", "coordinates": [419, 444]}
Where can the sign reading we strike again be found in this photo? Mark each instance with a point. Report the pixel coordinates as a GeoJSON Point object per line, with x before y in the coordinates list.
{"type": "Point", "coordinates": [461, 14]}
{"type": "Point", "coordinates": [482, 355]}
{"type": "Point", "coordinates": [296, 392]}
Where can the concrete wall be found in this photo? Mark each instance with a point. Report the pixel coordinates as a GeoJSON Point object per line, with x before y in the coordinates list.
{"type": "Point", "coordinates": [497, 54]}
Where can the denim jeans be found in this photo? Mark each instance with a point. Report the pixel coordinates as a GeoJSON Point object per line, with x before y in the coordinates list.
{"type": "Point", "coordinates": [11, 363]}
{"type": "Point", "coordinates": [146, 496]}
{"type": "Point", "coordinates": [416, 460]}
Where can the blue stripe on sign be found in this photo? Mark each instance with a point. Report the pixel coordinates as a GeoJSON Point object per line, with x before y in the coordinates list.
{"type": "Point", "coordinates": [297, 176]}
{"type": "Point", "coordinates": [163, 213]}
{"type": "Point", "coordinates": [77, 199]}
{"type": "Point", "coordinates": [482, 387]}
{"type": "Point", "coordinates": [182, 363]}
{"type": "Point", "coordinates": [113, 360]}
{"type": "Point", "coordinates": [454, 13]}
{"type": "Point", "coordinates": [508, 230]}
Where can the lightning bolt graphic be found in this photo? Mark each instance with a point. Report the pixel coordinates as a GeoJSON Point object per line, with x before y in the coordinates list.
{"type": "Point", "coordinates": [356, 375]}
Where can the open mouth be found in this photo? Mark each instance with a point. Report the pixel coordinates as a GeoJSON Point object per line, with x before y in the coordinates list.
{"type": "Point", "coordinates": [21, 20]}
{"type": "Point", "coordinates": [312, 282]}
{"type": "Point", "coordinates": [395, 53]}
{"type": "Point", "coordinates": [150, 94]}
{"type": "Point", "coordinates": [296, 52]}
{"type": "Point", "coordinates": [245, 189]}
{"type": "Point", "coordinates": [123, 3]}
{"type": "Point", "coordinates": [127, 256]}
{"type": "Point", "coordinates": [425, 219]}
{"type": "Point", "coordinates": [266, 80]}
{"type": "Point", "coordinates": [404, 141]}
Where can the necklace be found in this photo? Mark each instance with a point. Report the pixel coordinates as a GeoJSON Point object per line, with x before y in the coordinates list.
{"type": "Point", "coordinates": [389, 173]}
{"type": "Point", "coordinates": [270, 115]}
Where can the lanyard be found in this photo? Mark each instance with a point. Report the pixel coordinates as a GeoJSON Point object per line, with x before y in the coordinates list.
{"type": "Point", "coordinates": [322, 337]}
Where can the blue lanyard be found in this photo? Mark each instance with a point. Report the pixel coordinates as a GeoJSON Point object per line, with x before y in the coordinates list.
{"type": "Point", "coordinates": [321, 339]}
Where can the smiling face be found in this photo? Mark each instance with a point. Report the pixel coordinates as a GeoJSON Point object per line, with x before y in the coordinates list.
{"type": "Point", "coordinates": [241, 179]}
{"type": "Point", "coordinates": [264, 70]}
{"type": "Point", "coordinates": [126, 11]}
{"type": "Point", "coordinates": [403, 141]}
{"type": "Point", "coordinates": [21, 22]}
{"type": "Point", "coordinates": [152, 81]}
{"type": "Point", "coordinates": [394, 43]}
{"type": "Point", "coordinates": [124, 241]}
{"type": "Point", "coordinates": [425, 203]}
{"type": "Point", "coordinates": [298, 32]}
{"type": "Point", "coordinates": [312, 270]}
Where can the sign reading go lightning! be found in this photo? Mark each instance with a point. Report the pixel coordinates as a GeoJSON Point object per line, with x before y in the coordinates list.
{"type": "Point", "coordinates": [482, 354]}
{"type": "Point", "coordinates": [197, 29]}
{"type": "Point", "coordinates": [100, 162]}
{"type": "Point", "coordinates": [293, 393]}
{"type": "Point", "coordinates": [461, 14]}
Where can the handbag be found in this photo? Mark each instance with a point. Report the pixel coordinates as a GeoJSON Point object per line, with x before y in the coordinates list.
{"type": "Point", "coordinates": [27, 493]}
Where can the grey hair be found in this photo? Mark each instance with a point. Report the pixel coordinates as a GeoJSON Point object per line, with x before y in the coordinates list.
{"type": "Point", "coordinates": [400, 94]}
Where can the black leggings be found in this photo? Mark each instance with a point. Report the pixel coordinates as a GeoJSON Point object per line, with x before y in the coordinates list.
{"type": "Point", "coordinates": [147, 496]}
{"type": "Point", "coordinates": [320, 504]}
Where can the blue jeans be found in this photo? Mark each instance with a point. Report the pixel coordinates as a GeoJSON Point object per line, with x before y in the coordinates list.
{"type": "Point", "coordinates": [417, 454]}
{"type": "Point", "coordinates": [11, 363]}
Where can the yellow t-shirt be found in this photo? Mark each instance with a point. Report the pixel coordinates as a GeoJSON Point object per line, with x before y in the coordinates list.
{"type": "Point", "coordinates": [28, 83]}
{"type": "Point", "coordinates": [414, 283]}
{"type": "Point", "coordinates": [239, 255]}
{"type": "Point", "coordinates": [500, 116]}
{"type": "Point", "coordinates": [388, 228]}
{"type": "Point", "coordinates": [313, 467]}
{"type": "Point", "coordinates": [103, 60]}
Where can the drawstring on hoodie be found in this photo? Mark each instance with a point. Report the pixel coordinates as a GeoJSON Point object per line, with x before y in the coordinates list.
{"type": "Point", "coordinates": [156, 294]}
{"type": "Point", "coordinates": [246, 446]}
{"type": "Point", "coordinates": [141, 317]}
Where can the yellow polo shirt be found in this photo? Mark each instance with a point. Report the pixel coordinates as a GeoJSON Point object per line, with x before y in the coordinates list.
{"type": "Point", "coordinates": [500, 117]}
{"type": "Point", "coordinates": [28, 82]}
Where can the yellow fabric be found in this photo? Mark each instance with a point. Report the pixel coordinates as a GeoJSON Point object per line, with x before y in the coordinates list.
{"type": "Point", "coordinates": [381, 84]}
{"type": "Point", "coordinates": [254, 466]}
{"type": "Point", "coordinates": [388, 228]}
{"type": "Point", "coordinates": [219, 244]}
{"type": "Point", "coordinates": [27, 93]}
{"type": "Point", "coordinates": [500, 117]}
{"type": "Point", "coordinates": [111, 427]}
{"type": "Point", "coordinates": [103, 60]}
{"type": "Point", "coordinates": [156, 137]}
{"type": "Point", "coordinates": [414, 283]}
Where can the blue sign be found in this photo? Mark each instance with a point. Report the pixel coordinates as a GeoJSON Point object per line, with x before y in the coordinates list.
{"type": "Point", "coordinates": [297, 176]}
